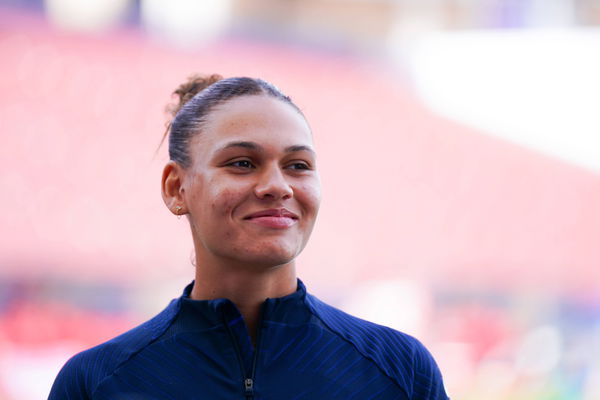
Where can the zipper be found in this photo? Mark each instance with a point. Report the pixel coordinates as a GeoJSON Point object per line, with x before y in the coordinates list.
{"type": "Point", "coordinates": [248, 380]}
{"type": "Point", "coordinates": [249, 387]}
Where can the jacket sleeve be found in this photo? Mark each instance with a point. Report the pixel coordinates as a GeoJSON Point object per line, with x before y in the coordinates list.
{"type": "Point", "coordinates": [70, 384]}
{"type": "Point", "coordinates": [427, 383]}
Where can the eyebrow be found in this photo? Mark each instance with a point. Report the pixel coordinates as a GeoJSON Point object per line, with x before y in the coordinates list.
{"type": "Point", "coordinates": [257, 147]}
{"type": "Point", "coordinates": [244, 145]}
{"type": "Point", "coordinates": [300, 147]}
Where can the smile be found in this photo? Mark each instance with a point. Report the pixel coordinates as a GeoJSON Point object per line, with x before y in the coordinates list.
{"type": "Point", "coordinates": [273, 218]}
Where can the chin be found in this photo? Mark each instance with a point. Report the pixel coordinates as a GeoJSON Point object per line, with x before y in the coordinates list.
{"type": "Point", "coordinates": [270, 255]}
{"type": "Point", "coordinates": [270, 260]}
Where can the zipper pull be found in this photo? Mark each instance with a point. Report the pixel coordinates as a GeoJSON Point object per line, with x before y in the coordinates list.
{"type": "Point", "coordinates": [249, 385]}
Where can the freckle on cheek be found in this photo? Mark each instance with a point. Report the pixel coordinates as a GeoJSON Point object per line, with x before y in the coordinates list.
{"type": "Point", "coordinates": [226, 202]}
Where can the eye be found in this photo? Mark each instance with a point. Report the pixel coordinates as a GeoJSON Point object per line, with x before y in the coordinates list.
{"type": "Point", "coordinates": [298, 165]}
{"type": "Point", "coordinates": [241, 164]}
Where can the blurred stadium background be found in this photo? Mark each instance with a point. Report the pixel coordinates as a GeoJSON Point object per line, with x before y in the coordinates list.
{"type": "Point", "coordinates": [459, 152]}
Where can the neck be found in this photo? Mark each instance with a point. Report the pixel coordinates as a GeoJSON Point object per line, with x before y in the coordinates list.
{"type": "Point", "coordinates": [246, 287]}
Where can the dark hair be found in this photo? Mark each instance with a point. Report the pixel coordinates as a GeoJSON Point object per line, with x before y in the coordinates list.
{"type": "Point", "coordinates": [198, 96]}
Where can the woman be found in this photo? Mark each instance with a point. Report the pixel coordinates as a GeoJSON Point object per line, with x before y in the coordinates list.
{"type": "Point", "coordinates": [242, 170]}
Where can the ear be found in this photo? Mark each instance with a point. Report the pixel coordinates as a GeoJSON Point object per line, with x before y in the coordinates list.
{"type": "Point", "coordinates": [172, 188]}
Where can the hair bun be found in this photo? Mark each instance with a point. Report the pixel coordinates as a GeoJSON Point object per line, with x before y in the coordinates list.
{"type": "Point", "coordinates": [194, 84]}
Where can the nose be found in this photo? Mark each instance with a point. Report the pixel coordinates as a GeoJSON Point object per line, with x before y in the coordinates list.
{"type": "Point", "coordinates": [273, 185]}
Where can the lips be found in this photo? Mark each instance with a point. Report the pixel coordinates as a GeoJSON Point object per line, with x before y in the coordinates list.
{"type": "Point", "coordinates": [274, 212]}
{"type": "Point", "coordinates": [279, 218]}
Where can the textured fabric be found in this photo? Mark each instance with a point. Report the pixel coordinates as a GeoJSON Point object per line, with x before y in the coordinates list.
{"type": "Point", "coordinates": [305, 349]}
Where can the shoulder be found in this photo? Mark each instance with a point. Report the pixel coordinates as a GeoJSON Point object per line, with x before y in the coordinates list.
{"type": "Point", "coordinates": [399, 355]}
{"type": "Point", "coordinates": [80, 376]}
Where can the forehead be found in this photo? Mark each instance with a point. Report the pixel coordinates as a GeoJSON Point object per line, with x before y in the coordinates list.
{"type": "Point", "coordinates": [259, 118]}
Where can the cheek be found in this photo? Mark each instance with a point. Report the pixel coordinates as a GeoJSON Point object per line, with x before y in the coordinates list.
{"type": "Point", "coordinates": [222, 203]}
{"type": "Point", "coordinates": [224, 199]}
{"type": "Point", "coordinates": [309, 195]}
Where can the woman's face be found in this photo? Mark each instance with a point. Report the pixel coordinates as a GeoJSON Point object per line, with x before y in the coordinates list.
{"type": "Point", "coordinates": [252, 191]}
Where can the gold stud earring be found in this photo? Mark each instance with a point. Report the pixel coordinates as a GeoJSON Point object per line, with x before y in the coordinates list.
{"type": "Point", "coordinates": [178, 211]}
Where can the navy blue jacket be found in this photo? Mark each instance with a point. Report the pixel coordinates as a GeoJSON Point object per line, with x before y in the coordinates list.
{"type": "Point", "coordinates": [305, 349]}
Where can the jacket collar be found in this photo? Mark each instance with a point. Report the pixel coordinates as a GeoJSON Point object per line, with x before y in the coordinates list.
{"type": "Point", "coordinates": [287, 309]}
